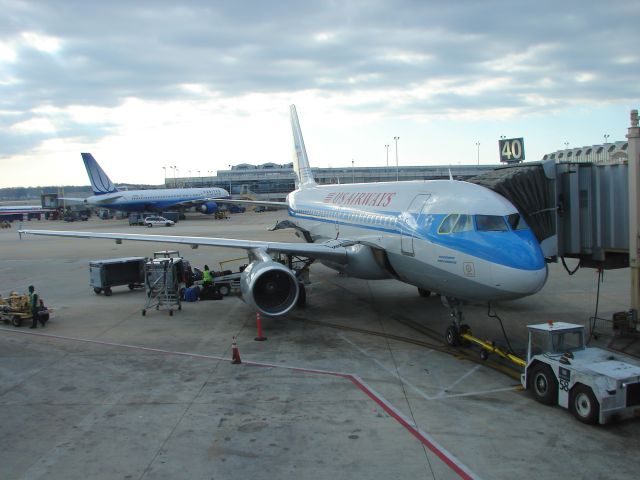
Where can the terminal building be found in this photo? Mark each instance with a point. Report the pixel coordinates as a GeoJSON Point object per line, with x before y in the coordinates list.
{"type": "Point", "coordinates": [274, 181]}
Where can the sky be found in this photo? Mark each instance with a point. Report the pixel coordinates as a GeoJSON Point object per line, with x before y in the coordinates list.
{"type": "Point", "coordinates": [201, 85]}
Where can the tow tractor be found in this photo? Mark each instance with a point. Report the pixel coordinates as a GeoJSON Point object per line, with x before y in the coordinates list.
{"type": "Point", "coordinates": [596, 385]}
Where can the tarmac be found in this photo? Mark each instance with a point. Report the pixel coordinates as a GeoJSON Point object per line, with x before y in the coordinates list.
{"type": "Point", "coordinates": [103, 392]}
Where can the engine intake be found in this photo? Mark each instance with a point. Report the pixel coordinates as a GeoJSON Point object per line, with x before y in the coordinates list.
{"type": "Point", "coordinates": [269, 287]}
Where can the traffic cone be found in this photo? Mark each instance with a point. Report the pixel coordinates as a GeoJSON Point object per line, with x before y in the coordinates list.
{"type": "Point", "coordinates": [260, 337]}
{"type": "Point", "coordinates": [235, 353]}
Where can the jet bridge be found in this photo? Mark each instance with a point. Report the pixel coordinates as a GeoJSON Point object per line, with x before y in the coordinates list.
{"type": "Point", "coordinates": [576, 210]}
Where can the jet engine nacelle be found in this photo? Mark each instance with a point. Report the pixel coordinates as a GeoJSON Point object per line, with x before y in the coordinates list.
{"type": "Point", "coordinates": [269, 287]}
{"type": "Point", "coordinates": [209, 207]}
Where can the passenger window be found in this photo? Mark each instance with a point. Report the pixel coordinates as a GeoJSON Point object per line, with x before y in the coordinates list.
{"type": "Point", "coordinates": [464, 224]}
{"type": "Point", "coordinates": [516, 222]}
{"type": "Point", "coordinates": [447, 224]}
{"type": "Point", "coordinates": [491, 223]}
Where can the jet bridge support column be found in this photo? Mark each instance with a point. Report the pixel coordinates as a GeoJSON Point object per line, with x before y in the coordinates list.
{"type": "Point", "coordinates": [633, 153]}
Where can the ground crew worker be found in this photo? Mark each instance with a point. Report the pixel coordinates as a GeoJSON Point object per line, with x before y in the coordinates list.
{"type": "Point", "coordinates": [207, 279]}
{"type": "Point", "coordinates": [33, 305]}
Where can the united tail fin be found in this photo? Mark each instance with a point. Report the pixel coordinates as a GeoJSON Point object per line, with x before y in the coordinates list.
{"type": "Point", "coordinates": [300, 160]}
{"type": "Point", "coordinates": [100, 181]}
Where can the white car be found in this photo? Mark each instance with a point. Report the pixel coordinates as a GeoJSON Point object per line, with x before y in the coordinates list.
{"type": "Point", "coordinates": [156, 220]}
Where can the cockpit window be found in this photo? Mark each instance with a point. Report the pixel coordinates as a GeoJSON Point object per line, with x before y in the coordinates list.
{"type": "Point", "coordinates": [516, 222]}
{"type": "Point", "coordinates": [491, 223]}
{"type": "Point", "coordinates": [464, 224]}
{"type": "Point", "coordinates": [448, 223]}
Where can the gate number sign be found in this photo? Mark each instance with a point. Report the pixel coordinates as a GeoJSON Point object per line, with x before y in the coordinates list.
{"type": "Point", "coordinates": [511, 150]}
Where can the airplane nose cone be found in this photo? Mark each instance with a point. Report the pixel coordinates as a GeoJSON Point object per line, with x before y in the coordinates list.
{"type": "Point", "coordinates": [517, 282]}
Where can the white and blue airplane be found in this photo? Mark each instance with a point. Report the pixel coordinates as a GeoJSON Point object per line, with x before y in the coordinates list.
{"type": "Point", "coordinates": [454, 238]}
{"type": "Point", "coordinates": [106, 195]}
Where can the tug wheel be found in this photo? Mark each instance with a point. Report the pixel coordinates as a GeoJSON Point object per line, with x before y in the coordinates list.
{"type": "Point", "coordinates": [584, 404]}
{"type": "Point", "coordinates": [544, 385]}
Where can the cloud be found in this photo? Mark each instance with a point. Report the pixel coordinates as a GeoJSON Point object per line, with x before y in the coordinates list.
{"type": "Point", "coordinates": [419, 59]}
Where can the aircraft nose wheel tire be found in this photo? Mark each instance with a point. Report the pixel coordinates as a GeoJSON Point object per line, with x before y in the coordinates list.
{"type": "Point", "coordinates": [584, 405]}
{"type": "Point", "coordinates": [452, 336]}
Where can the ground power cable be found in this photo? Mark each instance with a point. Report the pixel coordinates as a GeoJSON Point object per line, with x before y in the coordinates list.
{"type": "Point", "coordinates": [504, 333]}
{"type": "Point", "coordinates": [595, 318]}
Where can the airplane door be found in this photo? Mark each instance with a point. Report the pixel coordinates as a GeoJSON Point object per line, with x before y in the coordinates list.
{"type": "Point", "coordinates": [409, 223]}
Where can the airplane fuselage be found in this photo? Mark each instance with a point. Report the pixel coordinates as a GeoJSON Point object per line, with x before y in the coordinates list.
{"type": "Point", "coordinates": [154, 199]}
{"type": "Point", "coordinates": [454, 238]}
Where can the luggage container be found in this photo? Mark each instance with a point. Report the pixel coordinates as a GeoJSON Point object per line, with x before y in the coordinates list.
{"type": "Point", "coordinates": [105, 274]}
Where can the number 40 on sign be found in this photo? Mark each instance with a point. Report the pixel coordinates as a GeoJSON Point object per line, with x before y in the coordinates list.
{"type": "Point", "coordinates": [511, 150]}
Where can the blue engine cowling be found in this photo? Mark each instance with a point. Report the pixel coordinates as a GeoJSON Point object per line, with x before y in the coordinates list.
{"type": "Point", "coordinates": [209, 207]}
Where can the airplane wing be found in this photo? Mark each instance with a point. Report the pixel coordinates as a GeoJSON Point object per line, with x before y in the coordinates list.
{"type": "Point", "coordinates": [333, 251]}
{"type": "Point", "coordinates": [265, 203]}
{"type": "Point", "coordinates": [195, 203]}
{"type": "Point", "coordinates": [72, 199]}
{"type": "Point", "coordinates": [107, 201]}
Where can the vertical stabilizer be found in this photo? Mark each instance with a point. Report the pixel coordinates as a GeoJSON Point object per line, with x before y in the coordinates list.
{"type": "Point", "coordinates": [100, 182]}
{"type": "Point", "coordinates": [300, 161]}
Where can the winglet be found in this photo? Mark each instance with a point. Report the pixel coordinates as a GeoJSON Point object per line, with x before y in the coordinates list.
{"type": "Point", "coordinates": [100, 181]}
{"type": "Point", "coordinates": [300, 160]}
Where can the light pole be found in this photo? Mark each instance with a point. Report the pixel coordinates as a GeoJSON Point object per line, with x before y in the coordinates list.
{"type": "Point", "coordinates": [397, 168]}
{"type": "Point", "coordinates": [387, 147]}
{"type": "Point", "coordinates": [478, 145]}
{"type": "Point", "coordinates": [606, 137]}
{"type": "Point", "coordinates": [165, 176]}
{"type": "Point", "coordinates": [353, 172]}
{"type": "Point", "coordinates": [566, 145]}
{"type": "Point", "coordinates": [229, 179]}
{"type": "Point", "coordinates": [175, 181]}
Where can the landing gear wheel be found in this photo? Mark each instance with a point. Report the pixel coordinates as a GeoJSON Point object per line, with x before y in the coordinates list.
{"type": "Point", "coordinates": [107, 291]}
{"type": "Point", "coordinates": [451, 336]}
{"type": "Point", "coordinates": [423, 292]}
{"type": "Point", "coordinates": [544, 385]}
{"type": "Point", "coordinates": [223, 290]}
{"type": "Point", "coordinates": [97, 290]}
{"type": "Point", "coordinates": [302, 297]}
{"type": "Point", "coordinates": [16, 321]}
{"type": "Point", "coordinates": [584, 405]}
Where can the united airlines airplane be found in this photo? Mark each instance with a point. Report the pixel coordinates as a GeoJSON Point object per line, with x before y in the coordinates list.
{"type": "Point", "coordinates": [106, 195]}
{"type": "Point", "coordinates": [457, 239]}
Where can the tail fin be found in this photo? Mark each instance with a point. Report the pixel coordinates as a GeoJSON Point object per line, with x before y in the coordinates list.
{"type": "Point", "coordinates": [300, 161]}
{"type": "Point", "coordinates": [100, 182]}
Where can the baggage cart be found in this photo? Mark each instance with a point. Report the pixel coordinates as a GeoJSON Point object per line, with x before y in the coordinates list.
{"type": "Point", "coordinates": [163, 282]}
{"type": "Point", "coordinates": [105, 274]}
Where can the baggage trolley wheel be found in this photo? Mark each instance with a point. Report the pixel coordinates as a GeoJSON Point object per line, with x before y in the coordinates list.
{"type": "Point", "coordinates": [223, 290]}
{"type": "Point", "coordinates": [144, 312]}
{"type": "Point", "coordinates": [171, 313]}
{"type": "Point", "coordinates": [179, 307]}
{"type": "Point", "coordinates": [131, 286]}
{"type": "Point", "coordinates": [16, 321]}
{"type": "Point", "coordinates": [97, 290]}
{"type": "Point", "coordinates": [107, 291]}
